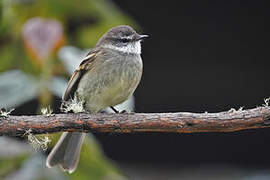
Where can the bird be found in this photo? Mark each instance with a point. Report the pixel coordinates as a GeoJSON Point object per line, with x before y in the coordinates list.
{"type": "Point", "coordinates": [108, 75]}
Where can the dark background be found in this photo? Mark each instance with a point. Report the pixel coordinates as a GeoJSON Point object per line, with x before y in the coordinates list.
{"type": "Point", "coordinates": [201, 56]}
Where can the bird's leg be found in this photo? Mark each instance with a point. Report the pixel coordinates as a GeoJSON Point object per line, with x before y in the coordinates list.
{"type": "Point", "coordinates": [116, 111]}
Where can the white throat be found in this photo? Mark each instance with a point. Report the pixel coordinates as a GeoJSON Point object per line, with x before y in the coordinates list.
{"type": "Point", "coordinates": [130, 48]}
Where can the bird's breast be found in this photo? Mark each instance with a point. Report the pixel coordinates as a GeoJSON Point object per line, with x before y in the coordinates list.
{"type": "Point", "coordinates": [111, 83]}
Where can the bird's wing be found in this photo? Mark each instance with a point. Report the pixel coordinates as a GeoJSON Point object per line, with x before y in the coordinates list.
{"type": "Point", "coordinates": [85, 65]}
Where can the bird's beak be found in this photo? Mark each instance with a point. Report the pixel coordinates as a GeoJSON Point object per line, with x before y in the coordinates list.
{"type": "Point", "coordinates": [140, 37]}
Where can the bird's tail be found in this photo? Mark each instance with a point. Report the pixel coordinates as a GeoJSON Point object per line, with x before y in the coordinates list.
{"type": "Point", "coordinates": [66, 152]}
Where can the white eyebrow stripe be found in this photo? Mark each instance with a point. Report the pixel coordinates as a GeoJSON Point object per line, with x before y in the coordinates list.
{"type": "Point", "coordinates": [127, 37]}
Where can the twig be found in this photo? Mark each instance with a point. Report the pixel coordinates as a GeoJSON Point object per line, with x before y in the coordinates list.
{"type": "Point", "coordinates": [181, 122]}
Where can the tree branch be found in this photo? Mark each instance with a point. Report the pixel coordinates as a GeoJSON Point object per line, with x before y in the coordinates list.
{"type": "Point", "coordinates": [181, 122]}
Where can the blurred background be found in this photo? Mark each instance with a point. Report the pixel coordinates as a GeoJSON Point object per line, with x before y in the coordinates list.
{"type": "Point", "coordinates": [201, 56]}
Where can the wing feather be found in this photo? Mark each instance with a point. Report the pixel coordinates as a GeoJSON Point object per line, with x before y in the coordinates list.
{"type": "Point", "coordinates": [77, 75]}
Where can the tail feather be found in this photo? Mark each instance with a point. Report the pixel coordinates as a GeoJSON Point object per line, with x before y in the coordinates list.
{"type": "Point", "coordinates": [66, 152]}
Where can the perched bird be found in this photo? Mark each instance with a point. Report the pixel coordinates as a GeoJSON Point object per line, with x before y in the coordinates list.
{"type": "Point", "coordinates": [107, 76]}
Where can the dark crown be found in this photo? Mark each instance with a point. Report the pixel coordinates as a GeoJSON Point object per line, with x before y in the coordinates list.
{"type": "Point", "coordinates": [119, 34]}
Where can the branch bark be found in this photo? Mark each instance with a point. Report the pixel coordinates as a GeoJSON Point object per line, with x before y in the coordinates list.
{"type": "Point", "coordinates": [181, 122]}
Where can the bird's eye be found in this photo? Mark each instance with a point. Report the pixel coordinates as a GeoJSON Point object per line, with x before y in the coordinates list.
{"type": "Point", "coordinates": [124, 40]}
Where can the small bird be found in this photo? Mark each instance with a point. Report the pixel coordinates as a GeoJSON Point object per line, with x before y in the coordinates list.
{"type": "Point", "coordinates": [107, 76]}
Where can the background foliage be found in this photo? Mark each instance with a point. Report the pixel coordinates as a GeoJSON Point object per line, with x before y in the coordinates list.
{"type": "Point", "coordinates": [40, 46]}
